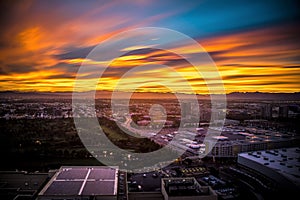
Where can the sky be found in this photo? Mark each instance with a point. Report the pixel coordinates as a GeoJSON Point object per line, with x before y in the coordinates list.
{"type": "Point", "coordinates": [254, 44]}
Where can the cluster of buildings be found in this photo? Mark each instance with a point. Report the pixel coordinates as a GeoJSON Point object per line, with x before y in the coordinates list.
{"type": "Point", "coordinates": [185, 110]}
{"type": "Point", "coordinates": [101, 182]}
{"type": "Point", "coordinates": [258, 150]}
{"type": "Point", "coordinates": [276, 169]}
{"type": "Point", "coordinates": [234, 143]}
{"type": "Point", "coordinates": [281, 111]}
{"type": "Point", "coordinates": [35, 110]}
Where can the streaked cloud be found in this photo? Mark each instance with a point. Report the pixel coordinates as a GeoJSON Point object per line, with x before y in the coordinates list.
{"type": "Point", "coordinates": [43, 44]}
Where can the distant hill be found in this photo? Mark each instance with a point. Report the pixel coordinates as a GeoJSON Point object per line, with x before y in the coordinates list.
{"type": "Point", "coordinates": [34, 95]}
{"type": "Point", "coordinates": [149, 95]}
{"type": "Point", "coordinates": [264, 96]}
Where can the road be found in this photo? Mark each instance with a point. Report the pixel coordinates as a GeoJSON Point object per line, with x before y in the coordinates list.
{"type": "Point", "coordinates": [175, 145]}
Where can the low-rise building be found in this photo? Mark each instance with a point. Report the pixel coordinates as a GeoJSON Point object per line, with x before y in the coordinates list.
{"type": "Point", "coordinates": [280, 165]}
{"type": "Point", "coordinates": [21, 184]}
{"type": "Point", "coordinates": [185, 188]}
{"type": "Point", "coordinates": [82, 183]}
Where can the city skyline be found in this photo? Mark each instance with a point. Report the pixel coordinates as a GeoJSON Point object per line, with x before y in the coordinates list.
{"type": "Point", "coordinates": [254, 45]}
{"type": "Point", "coordinates": [149, 99]}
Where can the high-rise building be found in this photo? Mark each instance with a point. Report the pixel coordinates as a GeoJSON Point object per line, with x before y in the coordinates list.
{"type": "Point", "coordinates": [186, 109]}
{"type": "Point", "coordinates": [215, 114]}
{"type": "Point", "coordinates": [266, 111]}
{"type": "Point", "coordinates": [283, 112]}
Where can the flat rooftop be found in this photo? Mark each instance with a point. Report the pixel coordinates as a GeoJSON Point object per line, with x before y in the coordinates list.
{"type": "Point", "coordinates": [79, 180]}
{"type": "Point", "coordinates": [14, 185]}
{"type": "Point", "coordinates": [285, 161]}
{"type": "Point", "coordinates": [184, 187]}
{"type": "Point", "coordinates": [147, 181]}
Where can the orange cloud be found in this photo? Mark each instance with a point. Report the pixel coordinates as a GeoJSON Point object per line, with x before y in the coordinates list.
{"type": "Point", "coordinates": [255, 60]}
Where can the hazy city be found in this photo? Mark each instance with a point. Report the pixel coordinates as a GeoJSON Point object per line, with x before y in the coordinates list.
{"type": "Point", "coordinates": [149, 100]}
{"type": "Point", "coordinates": [263, 131]}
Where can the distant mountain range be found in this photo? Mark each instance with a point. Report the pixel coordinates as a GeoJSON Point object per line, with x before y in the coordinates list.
{"type": "Point", "coordinates": [148, 95]}
{"type": "Point", "coordinates": [264, 96]}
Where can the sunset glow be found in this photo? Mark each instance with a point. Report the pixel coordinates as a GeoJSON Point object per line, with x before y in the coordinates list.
{"type": "Point", "coordinates": [42, 46]}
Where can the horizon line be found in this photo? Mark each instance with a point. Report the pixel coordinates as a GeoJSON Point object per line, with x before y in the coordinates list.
{"type": "Point", "coordinates": [139, 92]}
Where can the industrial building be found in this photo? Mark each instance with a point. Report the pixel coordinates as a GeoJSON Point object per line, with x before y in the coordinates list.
{"type": "Point", "coordinates": [280, 165]}
{"type": "Point", "coordinates": [235, 143]}
{"type": "Point", "coordinates": [21, 184]}
{"type": "Point", "coordinates": [102, 182]}
{"type": "Point", "coordinates": [82, 183]}
{"type": "Point", "coordinates": [185, 188]}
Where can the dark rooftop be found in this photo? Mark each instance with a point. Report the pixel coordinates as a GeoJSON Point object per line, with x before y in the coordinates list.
{"type": "Point", "coordinates": [64, 188]}
{"type": "Point", "coordinates": [98, 188]}
{"type": "Point", "coordinates": [83, 181]}
{"type": "Point", "coordinates": [184, 187]}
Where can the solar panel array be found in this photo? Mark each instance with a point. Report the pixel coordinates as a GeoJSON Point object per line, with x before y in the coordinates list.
{"type": "Point", "coordinates": [98, 188]}
{"type": "Point", "coordinates": [104, 174]}
{"type": "Point", "coordinates": [64, 188]}
{"type": "Point", "coordinates": [69, 174]}
{"type": "Point", "coordinates": [84, 181]}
